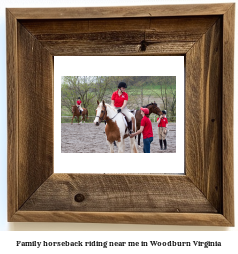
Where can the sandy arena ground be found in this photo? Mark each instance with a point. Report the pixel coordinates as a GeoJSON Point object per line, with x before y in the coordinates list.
{"type": "Point", "coordinates": [88, 138]}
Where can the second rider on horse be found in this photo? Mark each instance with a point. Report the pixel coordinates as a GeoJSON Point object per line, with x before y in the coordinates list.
{"type": "Point", "coordinates": [78, 104]}
{"type": "Point", "coordinates": [119, 101]}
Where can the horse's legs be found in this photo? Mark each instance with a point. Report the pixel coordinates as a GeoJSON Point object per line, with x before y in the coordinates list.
{"type": "Point", "coordinates": [111, 147]}
{"type": "Point", "coordinates": [133, 145]}
{"type": "Point", "coordinates": [121, 146]}
{"type": "Point", "coordinates": [83, 118]}
{"type": "Point", "coordinates": [73, 118]}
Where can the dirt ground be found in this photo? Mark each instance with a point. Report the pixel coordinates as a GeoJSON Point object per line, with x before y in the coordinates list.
{"type": "Point", "coordinates": [88, 138]}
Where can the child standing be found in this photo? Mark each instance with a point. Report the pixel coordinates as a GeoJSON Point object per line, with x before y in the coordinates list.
{"type": "Point", "coordinates": [162, 130]}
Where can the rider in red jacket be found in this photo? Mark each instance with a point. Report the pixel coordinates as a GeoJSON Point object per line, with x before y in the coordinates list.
{"type": "Point", "coordinates": [119, 101]}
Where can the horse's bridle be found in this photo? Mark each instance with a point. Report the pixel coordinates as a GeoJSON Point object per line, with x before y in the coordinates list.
{"type": "Point", "coordinates": [101, 118]}
{"type": "Point", "coordinates": [156, 107]}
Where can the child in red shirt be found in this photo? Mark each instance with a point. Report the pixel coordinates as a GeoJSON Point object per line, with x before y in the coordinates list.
{"type": "Point", "coordinates": [145, 129]}
{"type": "Point", "coordinates": [162, 130]}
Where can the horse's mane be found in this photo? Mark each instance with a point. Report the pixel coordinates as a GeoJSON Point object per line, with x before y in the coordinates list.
{"type": "Point", "coordinates": [109, 106]}
{"type": "Point", "coordinates": [149, 104]}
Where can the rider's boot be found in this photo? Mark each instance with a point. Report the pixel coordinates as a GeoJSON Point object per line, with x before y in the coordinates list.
{"type": "Point", "coordinates": [130, 127]}
{"type": "Point", "coordinates": [165, 144]}
{"type": "Point", "coordinates": [79, 110]}
{"type": "Point", "coordinates": [161, 144]}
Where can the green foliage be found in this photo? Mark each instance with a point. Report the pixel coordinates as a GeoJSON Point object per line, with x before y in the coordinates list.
{"type": "Point", "coordinates": [142, 90]}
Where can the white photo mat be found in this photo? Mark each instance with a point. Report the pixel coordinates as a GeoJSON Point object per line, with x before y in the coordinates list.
{"type": "Point", "coordinates": [120, 66]}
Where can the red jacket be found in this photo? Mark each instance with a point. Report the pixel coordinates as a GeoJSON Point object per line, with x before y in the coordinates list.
{"type": "Point", "coordinates": [147, 132]}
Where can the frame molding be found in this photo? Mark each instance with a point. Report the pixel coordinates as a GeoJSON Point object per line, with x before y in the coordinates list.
{"type": "Point", "coordinates": [204, 34]}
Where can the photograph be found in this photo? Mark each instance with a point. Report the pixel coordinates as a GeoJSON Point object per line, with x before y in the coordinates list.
{"type": "Point", "coordinates": [133, 114]}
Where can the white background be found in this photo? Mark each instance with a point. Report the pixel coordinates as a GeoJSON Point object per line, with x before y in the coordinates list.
{"type": "Point", "coordinates": [7, 239]}
{"type": "Point", "coordinates": [119, 66]}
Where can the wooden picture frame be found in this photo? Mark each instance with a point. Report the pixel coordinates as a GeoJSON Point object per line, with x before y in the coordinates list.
{"type": "Point", "coordinates": [204, 34]}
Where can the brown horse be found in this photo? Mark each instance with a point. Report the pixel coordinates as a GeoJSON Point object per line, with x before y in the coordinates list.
{"type": "Point", "coordinates": [153, 108]}
{"type": "Point", "coordinates": [78, 113]}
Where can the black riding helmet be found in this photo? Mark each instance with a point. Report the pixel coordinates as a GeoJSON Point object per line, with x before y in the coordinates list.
{"type": "Point", "coordinates": [79, 98]}
{"type": "Point", "coordinates": [122, 84]}
{"type": "Point", "coordinates": [164, 112]}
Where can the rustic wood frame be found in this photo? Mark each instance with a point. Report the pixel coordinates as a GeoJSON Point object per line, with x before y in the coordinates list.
{"type": "Point", "coordinates": [204, 34]}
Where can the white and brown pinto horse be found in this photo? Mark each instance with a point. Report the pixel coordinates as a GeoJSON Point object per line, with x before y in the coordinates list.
{"type": "Point", "coordinates": [116, 127]}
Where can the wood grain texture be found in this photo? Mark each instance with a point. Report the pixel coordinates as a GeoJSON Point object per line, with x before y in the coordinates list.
{"type": "Point", "coordinates": [191, 219]}
{"type": "Point", "coordinates": [108, 193]}
{"type": "Point", "coordinates": [203, 121]}
{"type": "Point", "coordinates": [71, 48]}
{"type": "Point", "coordinates": [35, 109]}
{"type": "Point", "coordinates": [119, 36]}
{"type": "Point", "coordinates": [121, 12]}
{"type": "Point", "coordinates": [12, 114]}
{"type": "Point", "coordinates": [227, 120]}
{"type": "Point", "coordinates": [49, 29]}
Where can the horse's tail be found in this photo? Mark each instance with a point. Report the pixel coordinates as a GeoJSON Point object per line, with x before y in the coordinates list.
{"type": "Point", "coordinates": [87, 113]}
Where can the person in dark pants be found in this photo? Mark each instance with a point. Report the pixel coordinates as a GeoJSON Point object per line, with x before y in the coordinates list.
{"type": "Point", "coordinates": [145, 129]}
{"type": "Point", "coordinates": [162, 130]}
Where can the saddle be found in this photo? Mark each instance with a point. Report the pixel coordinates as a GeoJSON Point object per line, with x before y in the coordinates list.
{"type": "Point", "coordinates": [80, 112]}
{"type": "Point", "coordinates": [132, 120]}
{"type": "Point", "coordinates": [132, 111]}
{"type": "Point", "coordinates": [125, 117]}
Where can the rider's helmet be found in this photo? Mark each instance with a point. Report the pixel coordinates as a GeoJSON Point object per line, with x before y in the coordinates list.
{"type": "Point", "coordinates": [164, 112]}
{"type": "Point", "coordinates": [122, 84]}
{"type": "Point", "coordinates": [78, 98]}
